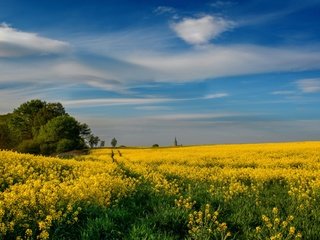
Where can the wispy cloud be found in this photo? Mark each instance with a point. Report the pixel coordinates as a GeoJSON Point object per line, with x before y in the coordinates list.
{"type": "Point", "coordinates": [201, 30]}
{"type": "Point", "coordinates": [220, 61]}
{"type": "Point", "coordinates": [283, 92]}
{"type": "Point", "coordinates": [192, 116]}
{"type": "Point", "coordinates": [136, 101]}
{"type": "Point", "coordinates": [15, 43]}
{"type": "Point", "coordinates": [114, 101]}
{"type": "Point", "coordinates": [216, 95]}
{"type": "Point", "coordinates": [310, 85]}
{"type": "Point", "coordinates": [164, 10]}
{"type": "Point", "coordinates": [221, 4]}
{"type": "Point", "coordinates": [153, 108]}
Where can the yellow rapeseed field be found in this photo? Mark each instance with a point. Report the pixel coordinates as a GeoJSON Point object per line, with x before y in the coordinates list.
{"type": "Point", "coordinates": [243, 191]}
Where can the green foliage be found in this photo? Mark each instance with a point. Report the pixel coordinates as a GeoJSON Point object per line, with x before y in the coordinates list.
{"type": "Point", "coordinates": [22, 119]}
{"type": "Point", "coordinates": [114, 142]}
{"type": "Point", "coordinates": [26, 120]}
{"type": "Point", "coordinates": [85, 131]}
{"type": "Point", "coordinates": [5, 136]}
{"type": "Point", "coordinates": [60, 134]}
{"type": "Point", "coordinates": [58, 128]}
{"type": "Point", "coordinates": [155, 145]}
{"type": "Point", "coordinates": [48, 148]}
{"type": "Point", "coordinates": [65, 145]}
{"type": "Point", "coordinates": [40, 127]}
{"type": "Point", "coordinates": [93, 140]}
{"type": "Point", "coordinates": [29, 146]}
{"type": "Point", "coordinates": [46, 113]}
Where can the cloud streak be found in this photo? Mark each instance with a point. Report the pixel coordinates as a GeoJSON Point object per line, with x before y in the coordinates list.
{"type": "Point", "coordinates": [114, 101]}
{"type": "Point", "coordinates": [310, 85]}
{"type": "Point", "coordinates": [134, 101]}
{"type": "Point", "coordinates": [15, 43]}
{"type": "Point", "coordinates": [216, 95]}
{"type": "Point", "coordinates": [283, 92]}
{"type": "Point", "coordinates": [222, 61]}
{"type": "Point", "coordinates": [192, 116]}
{"type": "Point", "coordinates": [164, 10]}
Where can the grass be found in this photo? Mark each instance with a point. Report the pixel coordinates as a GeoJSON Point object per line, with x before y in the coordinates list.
{"type": "Point", "coordinates": [253, 192]}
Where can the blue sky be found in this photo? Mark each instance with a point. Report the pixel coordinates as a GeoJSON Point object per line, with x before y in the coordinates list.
{"type": "Point", "coordinates": [147, 71]}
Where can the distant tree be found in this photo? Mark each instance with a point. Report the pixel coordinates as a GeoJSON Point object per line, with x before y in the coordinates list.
{"type": "Point", "coordinates": [155, 145]}
{"type": "Point", "coordinates": [114, 142]}
{"type": "Point", "coordinates": [102, 143]}
{"type": "Point", "coordinates": [175, 142]}
{"type": "Point", "coordinates": [61, 134]}
{"type": "Point", "coordinates": [93, 141]}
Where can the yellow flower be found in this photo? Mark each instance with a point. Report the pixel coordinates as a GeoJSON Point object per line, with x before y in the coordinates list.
{"type": "Point", "coordinates": [275, 211]}
{"type": "Point", "coordinates": [292, 230]}
{"type": "Point", "coordinates": [299, 235]}
{"type": "Point", "coordinates": [284, 224]}
{"type": "Point", "coordinates": [28, 232]}
{"type": "Point", "coordinates": [44, 235]}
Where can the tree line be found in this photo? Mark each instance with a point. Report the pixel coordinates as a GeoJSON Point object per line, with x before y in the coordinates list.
{"type": "Point", "coordinates": [44, 128]}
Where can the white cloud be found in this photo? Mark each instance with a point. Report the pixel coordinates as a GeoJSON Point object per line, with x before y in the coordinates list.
{"type": "Point", "coordinates": [75, 69]}
{"type": "Point", "coordinates": [201, 30]}
{"type": "Point", "coordinates": [283, 92]}
{"type": "Point", "coordinates": [62, 72]}
{"type": "Point", "coordinates": [216, 95]}
{"type": "Point", "coordinates": [15, 43]}
{"type": "Point", "coordinates": [311, 85]}
{"type": "Point", "coordinates": [113, 101]}
{"type": "Point", "coordinates": [153, 108]}
{"type": "Point", "coordinates": [192, 116]}
{"type": "Point", "coordinates": [221, 61]}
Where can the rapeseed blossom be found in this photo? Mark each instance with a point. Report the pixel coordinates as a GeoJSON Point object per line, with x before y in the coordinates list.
{"type": "Point", "coordinates": [38, 193]}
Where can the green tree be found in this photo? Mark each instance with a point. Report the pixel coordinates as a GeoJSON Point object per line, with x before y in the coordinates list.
{"type": "Point", "coordinates": [48, 112]}
{"type": "Point", "coordinates": [114, 142]}
{"type": "Point", "coordinates": [40, 127]}
{"type": "Point", "coordinates": [61, 134]}
{"type": "Point", "coordinates": [175, 142]}
{"type": "Point", "coordinates": [65, 145]}
{"type": "Point", "coordinates": [26, 120]}
{"type": "Point", "coordinates": [22, 119]}
{"type": "Point", "coordinates": [93, 140]}
{"type": "Point", "coordinates": [29, 146]}
{"type": "Point", "coordinates": [5, 137]}
{"type": "Point", "coordinates": [85, 131]}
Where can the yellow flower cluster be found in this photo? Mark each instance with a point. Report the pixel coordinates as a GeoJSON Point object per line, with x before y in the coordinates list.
{"type": "Point", "coordinates": [39, 192]}
{"type": "Point", "coordinates": [275, 228]}
{"type": "Point", "coordinates": [205, 225]}
{"type": "Point", "coordinates": [185, 203]}
{"type": "Point", "coordinates": [230, 170]}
